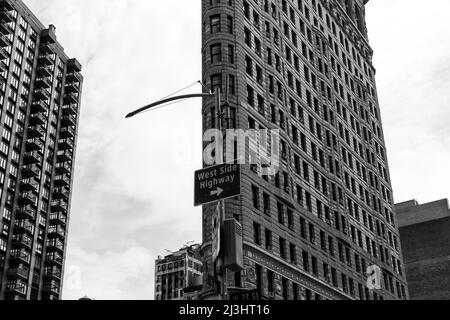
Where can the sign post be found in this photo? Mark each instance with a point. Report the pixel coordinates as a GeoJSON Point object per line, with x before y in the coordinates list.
{"type": "Point", "coordinates": [216, 222]}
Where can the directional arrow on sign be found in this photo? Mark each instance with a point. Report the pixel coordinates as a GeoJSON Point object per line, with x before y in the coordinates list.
{"type": "Point", "coordinates": [217, 192]}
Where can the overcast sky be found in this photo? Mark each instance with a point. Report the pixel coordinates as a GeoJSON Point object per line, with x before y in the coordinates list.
{"type": "Point", "coordinates": [133, 191]}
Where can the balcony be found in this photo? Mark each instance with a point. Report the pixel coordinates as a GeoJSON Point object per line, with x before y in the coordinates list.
{"type": "Point", "coordinates": [64, 155]}
{"type": "Point", "coordinates": [49, 35]}
{"type": "Point", "coordinates": [20, 272]}
{"type": "Point", "coordinates": [45, 59]}
{"type": "Point", "coordinates": [73, 87]}
{"type": "Point", "coordinates": [26, 212]}
{"type": "Point", "coordinates": [73, 65]}
{"type": "Point", "coordinates": [51, 287]}
{"type": "Point", "coordinates": [32, 157]}
{"type": "Point", "coordinates": [46, 49]}
{"type": "Point", "coordinates": [61, 193]}
{"type": "Point", "coordinates": [41, 94]}
{"type": "Point", "coordinates": [39, 106]}
{"type": "Point", "coordinates": [3, 54]}
{"type": "Point", "coordinates": [23, 227]}
{"type": "Point", "coordinates": [53, 273]}
{"type": "Point", "coordinates": [74, 77]}
{"type": "Point", "coordinates": [65, 144]}
{"type": "Point", "coordinates": [70, 98]}
{"type": "Point", "coordinates": [30, 171]}
{"type": "Point", "coordinates": [43, 83]}
{"type": "Point", "coordinates": [29, 185]}
{"type": "Point", "coordinates": [55, 245]}
{"type": "Point", "coordinates": [62, 180]}
{"type": "Point", "coordinates": [18, 287]}
{"type": "Point", "coordinates": [6, 16]}
{"type": "Point", "coordinates": [54, 258]}
{"type": "Point", "coordinates": [27, 198]}
{"type": "Point", "coordinates": [5, 41]}
{"type": "Point", "coordinates": [46, 71]}
{"type": "Point", "coordinates": [70, 109]}
{"type": "Point", "coordinates": [67, 132]}
{"type": "Point", "coordinates": [3, 66]}
{"type": "Point", "coordinates": [58, 219]}
{"type": "Point", "coordinates": [63, 168]}
{"type": "Point", "coordinates": [55, 231]}
{"type": "Point", "coordinates": [36, 132]}
{"type": "Point", "coordinates": [5, 28]}
{"type": "Point", "coordinates": [6, 5]}
{"type": "Point", "coordinates": [59, 205]}
{"type": "Point", "coordinates": [37, 118]}
{"type": "Point", "coordinates": [34, 144]}
{"type": "Point", "coordinates": [22, 241]}
{"type": "Point", "coordinates": [70, 121]}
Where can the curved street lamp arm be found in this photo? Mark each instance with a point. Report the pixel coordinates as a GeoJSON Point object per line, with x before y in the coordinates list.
{"type": "Point", "coordinates": [195, 95]}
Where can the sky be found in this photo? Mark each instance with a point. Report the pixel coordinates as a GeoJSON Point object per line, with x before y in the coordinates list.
{"type": "Point", "coordinates": [133, 190]}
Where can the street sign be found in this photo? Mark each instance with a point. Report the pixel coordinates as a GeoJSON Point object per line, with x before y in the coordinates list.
{"type": "Point", "coordinates": [251, 295]}
{"type": "Point", "coordinates": [217, 183]}
{"type": "Point", "coordinates": [216, 222]}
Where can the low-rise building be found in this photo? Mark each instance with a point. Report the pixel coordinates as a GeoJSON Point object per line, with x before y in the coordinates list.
{"type": "Point", "coordinates": [177, 272]}
{"type": "Point", "coordinates": [425, 238]}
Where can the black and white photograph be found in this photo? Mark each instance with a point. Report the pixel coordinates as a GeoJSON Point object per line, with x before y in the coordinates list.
{"type": "Point", "coordinates": [241, 152]}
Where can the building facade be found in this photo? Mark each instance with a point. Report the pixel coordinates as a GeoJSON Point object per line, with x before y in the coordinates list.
{"type": "Point", "coordinates": [425, 238]}
{"type": "Point", "coordinates": [178, 275]}
{"type": "Point", "coordinates": [40, 91]}
{"type": "Point", "coordinates": [304, 67]}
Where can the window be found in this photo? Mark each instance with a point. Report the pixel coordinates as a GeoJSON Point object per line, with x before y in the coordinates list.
{"type": "Point", "coordinates": [216, 53]}
{"type": "Point", "coordinates": [255, 197]}
{"type": "Point", "coordinates": [268, 235]}
{"type": "Point", "coordinates": [283, 248]}
{"type": "Point", "coordinates": [231, 54]}
{"type": "Point", "coordinates": [312, 233]}
{"type": "Point", "coordinates": [305, 256]}
{"type": "Point", "coordinates": [230, 24]}
{"type": "Point", "coordinates": [270, 281]}
{"type": "Point", "coordinates": [3, 245]}
{"type": "Point", "coordinates": [315, 268]}
{"type": "Point", "coordinates": [216, 82]}
{"type": "Point", "coordinates": [215, 23]}
{"type": "Point", "coordinates": [293, 253]}
{"type": "Point", "coordinates": [257, 233]}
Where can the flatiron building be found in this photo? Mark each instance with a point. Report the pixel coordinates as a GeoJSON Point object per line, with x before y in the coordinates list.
{"type": "Point", "coordinates": [313, 230]}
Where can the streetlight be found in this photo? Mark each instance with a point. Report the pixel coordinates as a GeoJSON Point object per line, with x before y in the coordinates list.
{"type": "Point", "coordinates": [220, 115]}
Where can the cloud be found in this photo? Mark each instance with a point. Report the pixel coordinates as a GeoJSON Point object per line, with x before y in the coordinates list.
{"type": "Point", "coordinates": [110, 275]}
{"type": "Point", "coordinates": [129, 172]}
{"type": "Point", "coordinates": [412, 54]}
{"type": "Point", "coordinates": [132, 196]}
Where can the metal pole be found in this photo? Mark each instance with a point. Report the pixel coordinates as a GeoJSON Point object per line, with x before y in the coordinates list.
{"type": "Point", "coordinates": [218, 104]}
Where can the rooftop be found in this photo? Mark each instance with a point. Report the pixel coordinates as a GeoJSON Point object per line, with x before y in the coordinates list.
{"type": "Point", "coordinates": [411, 212]}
